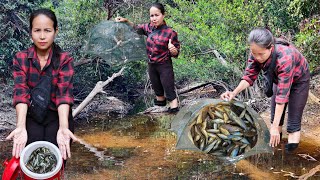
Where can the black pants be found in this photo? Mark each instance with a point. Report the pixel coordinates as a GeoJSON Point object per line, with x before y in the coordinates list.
{"type": "Point", "coordinates": [48, 132]}
{"type": "Point", "coordinates": [297, 101]}
{"type": "Point", "coordinates": [162, 79]}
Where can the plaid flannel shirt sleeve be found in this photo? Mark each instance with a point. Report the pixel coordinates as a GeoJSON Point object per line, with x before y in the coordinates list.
{"type": "Point", "coordinates": [21, 89]}
{"type": "Point", "coordinates": [252, 71]}
{"type": "Point", "coordinates": [141, 29]}
{"type": "Point", "coordinates": [285, 76]}
{"type": "Point", "coordinates": [64, 92]}
{"type": "Point", "coordinates": [175, 42]}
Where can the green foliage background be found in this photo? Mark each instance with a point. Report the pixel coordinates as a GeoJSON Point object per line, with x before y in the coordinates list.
{"type": "Point", "coordinates": [202, 26]}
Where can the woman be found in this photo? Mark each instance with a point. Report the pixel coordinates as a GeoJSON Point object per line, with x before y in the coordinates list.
{"type": "Point", "coordinates": [291, 83]}
{"type": "Point", "coordinates": [44, 57]}
{"type": "Point", "coordinates": [162, 44]}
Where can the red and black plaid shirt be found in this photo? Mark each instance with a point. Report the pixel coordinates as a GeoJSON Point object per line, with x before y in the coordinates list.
{"type": "Point", "coordinates": [290, 67]}
{"type": "Point", "coordinates": [27, 73]}
{"type": "Point", "coordinates": [157, 41]}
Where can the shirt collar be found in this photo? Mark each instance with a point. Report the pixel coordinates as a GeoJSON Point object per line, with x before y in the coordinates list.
{"type": "Point", "coordinates": [32, 55]}
{"type": "Point", "coordinates": [160, 27]}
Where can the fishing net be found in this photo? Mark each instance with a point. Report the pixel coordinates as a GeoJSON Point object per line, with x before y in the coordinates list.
{"type": "Point", "coordinates": [116, 43]}
{"type": "Point", "coordinates": [228, 130]}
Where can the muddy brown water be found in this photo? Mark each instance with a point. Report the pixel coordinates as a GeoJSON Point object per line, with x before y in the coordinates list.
{"type": "Point", "coordinates": [142, 147]}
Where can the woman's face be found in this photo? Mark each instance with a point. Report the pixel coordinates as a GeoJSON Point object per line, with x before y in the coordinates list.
{"type": "Point", "coordinates": [43, 32]}
{"type": "Point", "coordinates": [259, 53]}
{"type": "Point", "coordinates": [156, 17]}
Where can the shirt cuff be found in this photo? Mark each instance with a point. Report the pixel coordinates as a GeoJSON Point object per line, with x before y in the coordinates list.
{"type": "Point", "coordinates": [24, 101]}
{"type": "Point", "coordinates": [281, 100]}
{"type": "Point", "coordinates": [64, 100]}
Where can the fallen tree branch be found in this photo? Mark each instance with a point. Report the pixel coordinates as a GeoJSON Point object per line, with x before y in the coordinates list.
{"type": "Point", "coordinates": [310, 173]}
{"type": "Point", "coordinates": [307, 157]}
{"type": "Point", "coordinates": [313, 98]}
{"type": "Point", "coordinates": [215, 84]}
{"type": "Point", "coordinates": [83, 61]}
{"type": "Point", "coordinates": [97, 89]}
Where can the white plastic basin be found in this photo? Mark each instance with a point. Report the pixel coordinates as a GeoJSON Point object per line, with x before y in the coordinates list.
{"type": "Point", "coordinates": [26, 152]}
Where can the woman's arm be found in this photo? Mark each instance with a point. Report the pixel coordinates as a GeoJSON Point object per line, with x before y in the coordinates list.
{"type": "Point", "coordinates": [63, 112]}
{"type": "Point", "coordinates": [19, 135]}
{"type": "Point", "coordinates": [285, 76]}
{"type": "Point", "coordinates": [140, 28]}
{"type": "Point", "coordinates": [64, 98]}
{"type": "Point", "coordinates": [274, 128]}
{"type": "Point", "coordinates": [230, 95]}
{"type": "Point", "coordinates": [242, 85]}
{"type": "Point", "coordinates": [64, 134]}
{"type": "Point", "coordinates": [20, 102]}
{"type": "Point", "coordinates": [121, 19]}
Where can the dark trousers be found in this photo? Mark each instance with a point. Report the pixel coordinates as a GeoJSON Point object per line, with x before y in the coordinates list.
{"type": "Point", "coordinates": [162, 79]}
{"type": "Point", "coordinates": [48, 132]}
{"type": "Point", "coordinates": [297, 101]}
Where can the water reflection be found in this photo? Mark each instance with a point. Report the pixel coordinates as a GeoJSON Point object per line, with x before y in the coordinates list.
{"type": "Point", "coordinates": [141, 147]}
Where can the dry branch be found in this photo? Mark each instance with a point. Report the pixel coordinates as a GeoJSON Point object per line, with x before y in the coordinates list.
{"type": "Point", "coordinates": [83, 61]}
{"type": "Point", "coordinates": [313, 98]}
{"type": "Point", "coordinates": [97, 89]}
{"type": "Point", "coordinates": [310, 173]}
{"type": "Point", "coordinates": [215, 84]}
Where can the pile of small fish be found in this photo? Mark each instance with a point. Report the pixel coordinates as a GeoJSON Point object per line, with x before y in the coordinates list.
{"type": "Point", "coordinates": [41, 161]}
{"type": "Point", "coordinates": [224, 129]}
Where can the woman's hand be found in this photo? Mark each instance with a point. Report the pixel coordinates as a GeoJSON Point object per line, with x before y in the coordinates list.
{"type": "Point", "coordinates": [20, 138]}
{"type": "Point", "coordinates": [173, 50]}
{"type": "Point", "coordinates": [63, 139]}
{"type": "Point", "coordinates": [274, 136]}
{"type": "Point", "coordinates": [228, 95]}
{"type": "Point", "coordinates": [121, 19]}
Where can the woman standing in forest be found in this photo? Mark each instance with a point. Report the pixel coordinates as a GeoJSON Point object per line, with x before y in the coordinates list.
{"type": "Point", "coordinates": [290, 83]}
{"type": "Point", "coordinates": [43, 58]}
{"type": "Point", "coordinates": [162, 44]}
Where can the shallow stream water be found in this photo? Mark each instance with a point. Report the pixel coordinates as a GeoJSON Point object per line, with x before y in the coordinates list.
{"type": "Point", "coordinates": [142, 147]}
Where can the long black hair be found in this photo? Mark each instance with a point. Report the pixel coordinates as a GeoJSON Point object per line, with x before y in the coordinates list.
{"type": "Point", "coordinates": [56, 50]}
{"type": "Point", "coordinates": [158, 6]}
{"type": "Point", "coordinates": [264, 38]}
